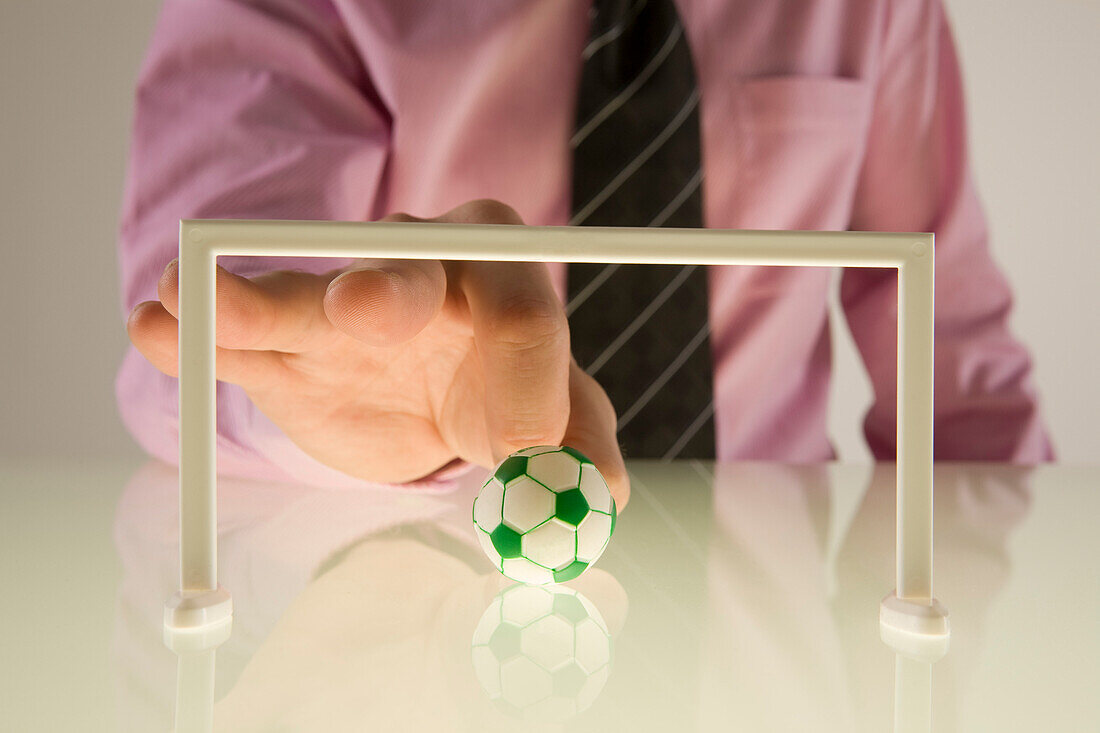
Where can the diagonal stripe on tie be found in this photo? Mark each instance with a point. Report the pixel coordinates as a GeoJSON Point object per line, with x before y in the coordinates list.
{"type": "Point", "coordinates": [621, 98]}
{"type": "Point", "coordinates": [693, 429]}
{"type": "Point", "coordinates": [593, 285]}
{"type": "Point", "coordinates": [608, 270]}
{"type": "Point", "coordinates": [641, 320]}
{"type": "Point", "coordinates": [642, 330]}
{"type": "Point", "coordinates": [662, 380]}
{"type": "Point", "coordinates": [674, 205]}
{"type": "Point", "coordinates": [612, 33]}
{"type": "Point", "coordinates": [640, 159]}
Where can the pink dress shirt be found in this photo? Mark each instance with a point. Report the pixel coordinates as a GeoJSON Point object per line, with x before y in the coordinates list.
{"type": "Point", "coordinates": [815, 115]}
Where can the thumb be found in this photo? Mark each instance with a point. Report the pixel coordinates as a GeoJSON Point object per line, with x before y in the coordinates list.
{"type": "Point", "coordinates": [591, 430]}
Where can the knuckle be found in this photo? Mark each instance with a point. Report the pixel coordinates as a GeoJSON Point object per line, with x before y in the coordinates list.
{"type": "Point", "coordinates": [607, 410]}
{"type": "Point", "coordinates": [492, 211]}
{"type": "Point", "coordinates": [601, 403]}
{"type": "Point", "coordinates": [142, 319]}
{"type": "Point", "coordinates": [424, 280]}
{"type": "Point", "coordinates": [400, 216]}
{"type": "Point", "coordinates": [523, 322]}
{"type": "Point", "coordinates": [529, 429]}
{"type": "Point", "coordinates": [622, 490]}
{"type": "Point", "coordinates": [244, 318]}
{"type": "Point", "coordinates": [615, 474]}
{"type": "Point", "coordinates": [167, 282]}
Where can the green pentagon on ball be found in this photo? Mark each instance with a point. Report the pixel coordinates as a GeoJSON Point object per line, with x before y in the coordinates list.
{"type": "Point", "coordinates": [507, 541]}
{"type": "Point", "coordinates": [571, 507]}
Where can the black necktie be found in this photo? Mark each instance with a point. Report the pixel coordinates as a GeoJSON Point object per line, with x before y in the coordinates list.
{"type": "Point", "coordinates": [642, 330]}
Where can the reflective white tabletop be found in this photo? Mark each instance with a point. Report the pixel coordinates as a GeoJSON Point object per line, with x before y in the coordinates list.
{"type": "Point", "coordinates": [737, 596]}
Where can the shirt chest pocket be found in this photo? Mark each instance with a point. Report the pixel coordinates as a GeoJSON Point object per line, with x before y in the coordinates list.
{"type": "Point", "coordinates": [796, 147]}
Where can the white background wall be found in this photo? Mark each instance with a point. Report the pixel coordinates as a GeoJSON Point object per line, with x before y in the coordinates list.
{"type": "Point", "coordinates": [1034, 105]}
{"type": "Point", "coordinates": [66, 78]}
{"type": "Point", "coordinates": [66, 74]}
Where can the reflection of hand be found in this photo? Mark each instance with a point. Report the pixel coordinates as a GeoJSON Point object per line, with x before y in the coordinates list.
{"type": "Point", "coordinates": [389, 369]}
{"type": "Point", "coordinates": [369, 642]}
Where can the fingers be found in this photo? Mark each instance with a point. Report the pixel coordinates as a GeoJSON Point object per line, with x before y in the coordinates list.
{"type": "Point", "coordinates": [591, 430]}
{"type": "Point", "coordinates": [277, 311]}
{"type": "Point", "coordinates": [386, 302]}
{"type": "Point", "coordinates": [154, 332]}
{"type": "Point", "coordinates": [479, 211]}
{"type": "Point", "coordinates": [522, 341]}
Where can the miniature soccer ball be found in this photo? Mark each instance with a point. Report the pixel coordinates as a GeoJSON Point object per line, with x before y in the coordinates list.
{"type": "Point", "coordinates": [542, 653]}
{"type": "Point", "coordinates": [544, 515]}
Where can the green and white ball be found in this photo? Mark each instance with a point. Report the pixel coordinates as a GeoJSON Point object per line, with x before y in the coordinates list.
{"type": "Point", "coordinates": [544, 515]}
{"type": "Point", "coordinates": [542, 653]}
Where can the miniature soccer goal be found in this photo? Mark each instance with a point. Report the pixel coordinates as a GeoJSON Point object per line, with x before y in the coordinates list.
{"type": "Point", "coordinates": [202, 607]}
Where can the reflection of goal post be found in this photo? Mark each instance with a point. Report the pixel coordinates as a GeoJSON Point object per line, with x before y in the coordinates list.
{"type": "Point", "coordinates": [202, 606]}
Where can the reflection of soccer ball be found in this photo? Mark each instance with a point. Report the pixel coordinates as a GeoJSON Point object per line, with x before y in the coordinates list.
{"type": "Point", "coordinates": [542, 654]}
{"type": "Point", "coordinates": [544, 515]}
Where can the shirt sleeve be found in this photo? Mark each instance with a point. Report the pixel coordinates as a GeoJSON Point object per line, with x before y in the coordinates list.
{"type": "Point", "coordinates": [244, 110]}
{"type": "Point", "coordinates": [916, 177]}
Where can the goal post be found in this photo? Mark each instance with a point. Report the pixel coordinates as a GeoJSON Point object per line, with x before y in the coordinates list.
{"type": "Point", "coordinates": [908, 614]}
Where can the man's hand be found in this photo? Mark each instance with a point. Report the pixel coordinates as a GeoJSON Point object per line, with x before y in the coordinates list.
{"type": "Point", "coordinates": [389, 369]}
